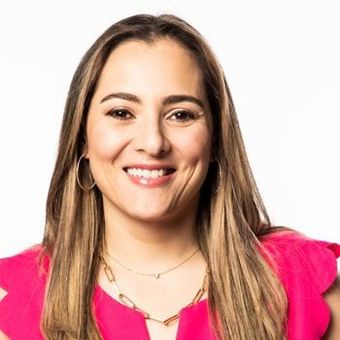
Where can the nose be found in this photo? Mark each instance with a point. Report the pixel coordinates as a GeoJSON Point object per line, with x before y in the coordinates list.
{"type": "Point", "coordinates": [152, 137]}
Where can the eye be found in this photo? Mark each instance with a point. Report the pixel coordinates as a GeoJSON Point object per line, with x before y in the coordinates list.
{"type": "Point", "coordinates": [121, 114]}
{"type": "Point", "coordinates": [182, 116]}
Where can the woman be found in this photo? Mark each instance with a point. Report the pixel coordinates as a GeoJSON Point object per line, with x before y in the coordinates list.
{"type": "Point", "coordinates": [155, 228]}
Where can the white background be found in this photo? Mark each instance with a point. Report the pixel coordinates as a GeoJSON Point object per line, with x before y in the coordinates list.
{"type": "Point", "coordinates": [281, 60]}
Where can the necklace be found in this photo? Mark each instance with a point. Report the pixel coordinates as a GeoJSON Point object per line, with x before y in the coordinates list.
{"type": "Point", "coordinates": [128, 302]}
{"type": "Point", "coordinates": [155, 275]}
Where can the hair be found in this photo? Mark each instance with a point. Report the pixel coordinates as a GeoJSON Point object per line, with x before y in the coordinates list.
{"type": "Point", "coordinates": [245, 294]}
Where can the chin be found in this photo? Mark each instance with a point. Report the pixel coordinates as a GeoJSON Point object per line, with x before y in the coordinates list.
{"type": "Point", "coordinates": [152, 215]}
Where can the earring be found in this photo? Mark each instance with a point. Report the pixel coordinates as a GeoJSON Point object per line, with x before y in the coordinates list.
{"type": "Point", "coordinates": [77, 175]}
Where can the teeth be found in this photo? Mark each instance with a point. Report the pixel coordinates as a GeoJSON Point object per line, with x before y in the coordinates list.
{"type": "Point", "coordinates": [146, 173]}
{"type": "Point", "coordinates": [154, 173]}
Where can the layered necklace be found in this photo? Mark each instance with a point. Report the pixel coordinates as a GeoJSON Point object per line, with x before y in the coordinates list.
{"type": "Point", "coordinates": [130, 303]}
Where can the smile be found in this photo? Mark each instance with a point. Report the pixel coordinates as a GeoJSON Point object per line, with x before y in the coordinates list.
{"type": "Point", "coordinates": [145, 173]}
{"type": "Point", "coordinates": [150, 178]}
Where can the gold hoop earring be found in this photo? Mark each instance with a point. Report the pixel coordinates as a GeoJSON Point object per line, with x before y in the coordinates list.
{"type": "Point", "coordinates": [77, 176]}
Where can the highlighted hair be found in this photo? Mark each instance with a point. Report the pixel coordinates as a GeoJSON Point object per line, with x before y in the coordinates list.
{"type": "Point", "coordinates": [245, 295]}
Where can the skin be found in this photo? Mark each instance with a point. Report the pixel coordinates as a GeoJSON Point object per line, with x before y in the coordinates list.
{"type": "Point", "coordinates": [332, 297]}
{"type": "Point", "coordinates": [149, 132]}
{"type": "Point", "coordinates": [150, 228]}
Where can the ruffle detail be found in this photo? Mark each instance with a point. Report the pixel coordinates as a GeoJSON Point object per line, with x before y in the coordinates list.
{"type": "Point", "coordinates": [328, 277]}
{"type": "Point", "coordinates": [307, 269]}
{"type": "Point", "coordinates": [20, 308]}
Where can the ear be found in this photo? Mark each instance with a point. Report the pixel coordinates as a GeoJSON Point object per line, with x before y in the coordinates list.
{"type": "Point", "coordinates": [84, 148]}
{"type": "Point", "coordinates": [86, 154]}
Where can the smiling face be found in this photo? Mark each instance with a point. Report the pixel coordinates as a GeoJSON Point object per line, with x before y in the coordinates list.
{"type": "Point", "coordinates": [149, 131]}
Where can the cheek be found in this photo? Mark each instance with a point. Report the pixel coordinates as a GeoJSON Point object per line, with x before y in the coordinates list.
{"type": "Point", "coordinates": [195, 145]}
{"type": "Point", "coordinates": [103, 142]}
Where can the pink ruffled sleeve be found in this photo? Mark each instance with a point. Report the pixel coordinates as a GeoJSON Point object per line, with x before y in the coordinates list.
{"type": "Point", "coordinates": [9, 281]}
{"type": "Point", "coordinates": [20, 309]}
{"type": "Point", "coordinates": [307, 268]}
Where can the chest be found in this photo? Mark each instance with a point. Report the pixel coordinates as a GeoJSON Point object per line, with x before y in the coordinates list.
{"type": "Point", "coordinates": [158, 331]}
{"type": "Point", "coordinates": [117, 321]}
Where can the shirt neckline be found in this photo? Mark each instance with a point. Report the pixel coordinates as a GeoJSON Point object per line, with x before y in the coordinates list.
{"type": "Point", "coordinates": [183, 313]}
{"type": "Point", "coordinates": [119, 304]}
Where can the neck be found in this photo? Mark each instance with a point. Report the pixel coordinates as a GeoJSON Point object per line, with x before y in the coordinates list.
{"type": "Point", "coordinates": [149, 246]}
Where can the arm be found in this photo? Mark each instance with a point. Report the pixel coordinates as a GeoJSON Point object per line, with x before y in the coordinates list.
{"type": "Point", "coordinates": [332, 297]}
{"type": "Point", "coordinates": [3, 336]}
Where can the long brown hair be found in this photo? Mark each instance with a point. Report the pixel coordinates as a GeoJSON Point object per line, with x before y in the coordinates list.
{"type": "Point", "coordinates": [244, 291]}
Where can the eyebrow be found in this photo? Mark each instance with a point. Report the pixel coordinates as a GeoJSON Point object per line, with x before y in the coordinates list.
{"type": "Point", "coordinates": [173, 99]}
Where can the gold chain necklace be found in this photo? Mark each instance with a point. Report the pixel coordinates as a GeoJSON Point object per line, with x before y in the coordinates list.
{"type": "Point", "coordinates": [156, 275]}
{"type": "Point", "coordinates": [128, 302]}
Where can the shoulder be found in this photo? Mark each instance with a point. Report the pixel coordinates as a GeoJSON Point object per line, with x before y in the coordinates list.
{"type": "Point", "coordinates": [23, 280]}
{"type": "Point", "coordinates": [296, 255]}
{"type": "Point", "coordinates": [308, 270]}
{"type": "Point", "coordinates": [19, 266]}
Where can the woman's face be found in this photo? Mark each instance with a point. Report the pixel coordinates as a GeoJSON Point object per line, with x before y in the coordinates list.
{"type": "Point", "coordinates": [149, 131]}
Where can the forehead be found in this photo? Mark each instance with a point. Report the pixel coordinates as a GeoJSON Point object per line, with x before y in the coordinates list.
{"type": "Point", "coordinates": [159, 66]}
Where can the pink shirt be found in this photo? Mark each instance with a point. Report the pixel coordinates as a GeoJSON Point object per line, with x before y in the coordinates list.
{"type": "Point", "coordinates": [306, 267]}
